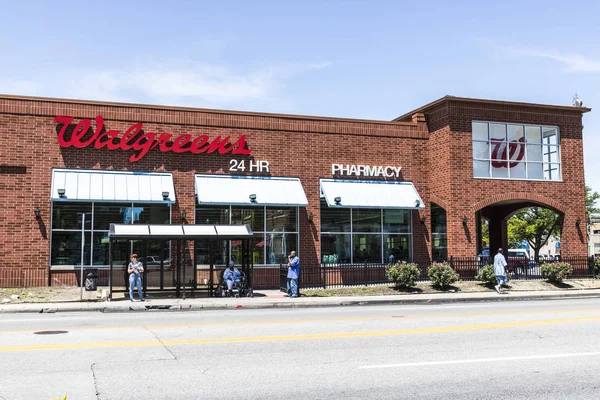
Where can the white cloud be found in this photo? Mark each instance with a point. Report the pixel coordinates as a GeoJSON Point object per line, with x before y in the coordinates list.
{"type": "Point", "coordinates": [202, 85]}
{"type": "Point", "coordinates": [574, 62]}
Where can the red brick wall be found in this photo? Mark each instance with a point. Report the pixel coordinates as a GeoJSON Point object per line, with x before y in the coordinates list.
{"type": "Point", "coordinates": [435, 155]}
{"type": "Point", "coordinates": [452, 171]}
{"type": "Point", "coordinates": [294, 146]}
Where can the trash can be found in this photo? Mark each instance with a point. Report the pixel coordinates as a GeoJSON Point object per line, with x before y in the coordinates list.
{"type": "Point", "coordinates": [91, 280]}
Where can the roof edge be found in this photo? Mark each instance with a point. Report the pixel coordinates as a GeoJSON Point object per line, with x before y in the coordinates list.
{"type": "Point", "coordinates": [198, 109]}
{"type": "Point", "coordinates": [426, 107]}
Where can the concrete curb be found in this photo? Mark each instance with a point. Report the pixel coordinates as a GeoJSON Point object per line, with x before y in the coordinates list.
{"type": "Point", "coordinates": [117, 307]}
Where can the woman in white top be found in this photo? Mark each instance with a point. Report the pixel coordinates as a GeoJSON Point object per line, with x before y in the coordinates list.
{"type": "Point", "coordinates": [135, 270]}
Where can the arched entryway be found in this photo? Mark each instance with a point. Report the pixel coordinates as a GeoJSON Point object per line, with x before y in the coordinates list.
{"type": "Point", "coordinates": [497, 214]}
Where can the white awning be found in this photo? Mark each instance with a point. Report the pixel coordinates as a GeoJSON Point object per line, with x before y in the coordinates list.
{"type": "Point", "coordinates": [371, 194]}
{"type": "Point", "coordinates": [102, 185]}
{"type": "Point", "coordinates": [176, 232]}
{"type": "Point", "coordinates": [129, 230]}
{"type": "Point", "coordinates": [238, 190]}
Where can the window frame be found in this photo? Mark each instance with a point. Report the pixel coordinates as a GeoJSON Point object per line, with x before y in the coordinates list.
{"type": "Point", "coordinates": [264, 232]}
{"type": "Point", "coordinates": [382, 233]}
{"type": "Point", "coordinates": [91, 231]}
{"type": "Point", "coordinates": [547, 164]}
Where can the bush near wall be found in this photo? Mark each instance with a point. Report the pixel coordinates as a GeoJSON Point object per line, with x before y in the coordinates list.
{"type": "Point", "coordinates": [486, 275]}
{"type": "Point", "coordinates": [556, 271]}
{"type": "Point", "coordinates": [403, 274]}
{"type": "Point", "coordinates": [442, 275]}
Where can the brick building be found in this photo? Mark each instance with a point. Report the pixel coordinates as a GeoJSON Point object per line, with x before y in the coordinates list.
{"type": "Point", "coordinates": [337, 190]}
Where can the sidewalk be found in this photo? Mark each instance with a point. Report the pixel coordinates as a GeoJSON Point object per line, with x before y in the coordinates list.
{"type": "Point", "coordinates": [275, 299]}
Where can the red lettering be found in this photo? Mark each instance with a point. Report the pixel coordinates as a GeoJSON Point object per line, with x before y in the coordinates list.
{"type": "Point", "coordinates": [129, 135]}
{"type": "Point", "coordinates": [143, 145]}
{"type": "Point", "coordinates": [216, 144]}
{"type": "Point", "coordinates": [181, 141]}
{"type": "Point", "coordinates": [196, 147]}
{"type": "Point", "coordinates": [148, 141]}
{"type": "Point", "coordinates": [164, 140]}
{"type": "Point", "coordinates": [239, 147]}
{"type": "Point", "coordinates": [66, 121]}
{"type": "Point", "coordinates": [111, 143]}
{"type": "Point", "coordinates": [82, 129]}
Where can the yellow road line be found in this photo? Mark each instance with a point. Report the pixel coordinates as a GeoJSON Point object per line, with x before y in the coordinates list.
{"type": "Point", "coordinates": [312, 320]}
{"type": "Point", "coordinates": [315, 336]}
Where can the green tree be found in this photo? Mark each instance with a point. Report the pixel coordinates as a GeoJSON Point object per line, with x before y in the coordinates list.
{"type": "Point", "coordinates": [590, 202]}
{"type": "Point", "coordinates": [485, 232]}
{"type": "Point", "coordinates": [535, 225]}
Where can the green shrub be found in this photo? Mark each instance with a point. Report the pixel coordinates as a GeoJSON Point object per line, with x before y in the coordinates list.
{"type": "Point", "coordinates": [486, 275]}
{"type": "Point", "coordinates": [403, 274]}
{"type": "Point", "coordinates": [556, 271]}
{"type": "Point", "coordinates": [442, 275]}
{"type": "Point", "coordinates": [597, 267]}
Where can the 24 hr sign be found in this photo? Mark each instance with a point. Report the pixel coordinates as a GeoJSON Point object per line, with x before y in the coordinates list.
{"type": "Point", "coordinates": [138, 143]}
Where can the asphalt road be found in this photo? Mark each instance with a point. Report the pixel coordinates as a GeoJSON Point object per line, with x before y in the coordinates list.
{"type": "Point", "coordinates": [505, 350]}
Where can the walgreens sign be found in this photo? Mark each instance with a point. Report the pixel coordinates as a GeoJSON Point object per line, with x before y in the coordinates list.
{"type": "Point", "coordinates": [139, 143]}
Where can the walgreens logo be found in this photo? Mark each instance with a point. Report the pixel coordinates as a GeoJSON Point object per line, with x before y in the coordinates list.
{"type": "Point", "coordinates": [139, 143]}
{"type": "Point", "coordinates": [515, 150]}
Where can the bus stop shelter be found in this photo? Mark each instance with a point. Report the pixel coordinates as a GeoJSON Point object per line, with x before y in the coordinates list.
{"type": "Point", "coordinates": [177, 238]}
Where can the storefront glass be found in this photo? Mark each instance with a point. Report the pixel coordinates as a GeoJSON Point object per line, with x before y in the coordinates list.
{"type": "Point", "coordinates": [275, 232]}
{"type": "Point", "coordinates": [336, 248]}
{"type": "Point", "coordinates": [365, 235]}
{"type": "Point", "coordinates": [66, 230]}
{"type": "Point", "coordinates": [439, 236]}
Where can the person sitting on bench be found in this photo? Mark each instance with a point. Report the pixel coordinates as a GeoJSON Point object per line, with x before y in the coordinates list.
{"type": "Point", "coordinates": [231, 276]}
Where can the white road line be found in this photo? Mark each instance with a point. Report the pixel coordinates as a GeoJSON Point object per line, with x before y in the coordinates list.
{"type": "Point", "coordinates": [482, 360]}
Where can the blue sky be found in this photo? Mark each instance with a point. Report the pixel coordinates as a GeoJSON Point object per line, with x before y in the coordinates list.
{"type": "Point", "coordinates": [360, 59]}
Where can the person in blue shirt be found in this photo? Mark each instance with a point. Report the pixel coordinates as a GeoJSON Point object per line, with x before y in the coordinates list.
{"type": "Point", "coordinates": [293, 274]}
{"type": "Point", "coordinates": [230, 276]}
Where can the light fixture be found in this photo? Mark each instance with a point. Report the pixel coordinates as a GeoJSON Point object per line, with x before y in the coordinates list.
{"type": "Point", "coordinates": [165, 195]}
{"type": "Point", "coordinates": [337, 200]}
{"type": "Point", "coordinates": [310, 216]}
{"type": "Point", "coordinates": [61, 192]}
{"type": "Point", "coordinates": [423, 220]}
{"type": "Point", "coordinates": [417, 203]}
{"type": "Point", "coordinates": [252, 197]}
{"type": "Point", "coordinates": [37, 213]}
{"type": "Point", "coordinates": [465, 220]}
{"type": "Point", "coordinates": [578, 223]}
{"type": "Point", "coordinates": [183, 214]}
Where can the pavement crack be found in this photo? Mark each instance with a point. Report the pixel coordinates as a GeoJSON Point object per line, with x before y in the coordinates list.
{"type": "Point", "coordinates": [95, 381]}
{"type": "Point", "coordinates": [537, 334]}
{"type": "Point", "coordinates": [161, 342]}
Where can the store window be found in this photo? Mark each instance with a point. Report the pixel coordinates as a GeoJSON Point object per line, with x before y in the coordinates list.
{"type": "Point", "coordinates": [364, 235]}
{"type": "Point", "coordinates": [275, 232]}
{"type": "Point", "coordinates": [66, 247]}
{"type": "Point", "coordinates": [513, 151]}
{"type": "Point", "coordinates": [439, 235]}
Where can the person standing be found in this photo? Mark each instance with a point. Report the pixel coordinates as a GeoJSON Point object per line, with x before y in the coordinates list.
{"type": "Point", "coordinates": [135, 270]}
{"type": "Point", "coordinates": [500, 271]}
{"type": "Point", "coordinates": [293, 274]}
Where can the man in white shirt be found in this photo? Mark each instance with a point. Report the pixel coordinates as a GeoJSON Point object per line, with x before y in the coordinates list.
{"type": "Point", "coordinates": [500, 271]}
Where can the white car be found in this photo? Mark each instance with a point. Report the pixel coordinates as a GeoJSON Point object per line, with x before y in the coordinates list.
{"type": "Point", "coordinates": [154, 261]}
